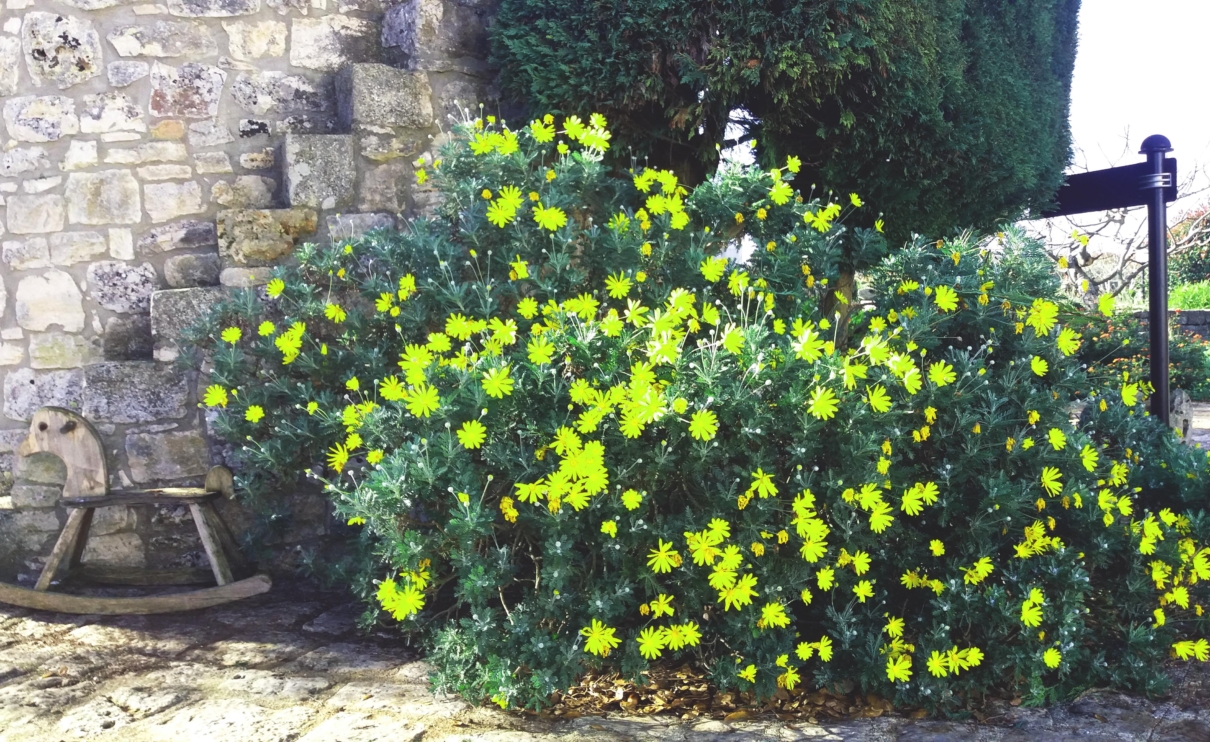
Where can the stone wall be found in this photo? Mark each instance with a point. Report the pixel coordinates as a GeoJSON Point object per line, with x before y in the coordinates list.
{"type": "Point", "coordinates": [1192, 322]}
{"type": "Point", "coordinates": [159, 154]}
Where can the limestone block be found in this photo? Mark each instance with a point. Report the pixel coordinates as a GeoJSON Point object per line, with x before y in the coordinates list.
{"type": "Point", "coordinates": [190, 91]}
{"type": "Point", "coordinates": [385, 147]}
{"type": "Point", "coordinates": [436, 36]}
{"type": "Point", "coordinates": [60, 350]}
{"type": "Point", "coordinates": [32, 254]}
{"type": "Point", "coordinates": [67, 248]}
{"type": "Point", "coordinates": [321, 170]}
{"type": "Point", "coordinates": [121, 287]}
{"type": "Point", "coordinates": [11, 438]}
{"type": "Point", "coordinates": [50, 299]}
{"type": "Point", "coordinates": [135, 392]}
{"type": "Point", "coordinates": [249, 128]}
{"type": "Point", "coordinates": [246, 192]}
{"type": "Point", "coordinates": [121, 244]}
{"type": "Point", "coordinates": [123, 73]}
{"type": "Point", "coordinates": [353, 226]}
{"type": "Point", "coordinates": [384, 187]}
{"type": "Point", "coordinates": [167, 456]}
{"type": "Point", "coordinates": [148, 152]}
{"type": "Point", "coordinates": [169, 129]}
{"type": "Point", "coordinates": [276, 92]}
{"type": "Point", "coordinates": [35, 214]}
{"type": "Point", "coordinates": [60, 48]}
{"type": "Point", "coordinates": [115, 550]}
{"type": "Point", "coordinates": [25, 390]}
{"type": "Point", "coordinates": [36, 495]}
{"type": "Point", "coordinates": [104, 197]}
{"type": "Point", "coordinates": [249, 40]}
{"type": "Point", "coordinates": [456, 92]}
{"type": "Point", "coordinates": [111, 111]}
{"type": "Point", "coordinates": [127, 339]}
{"type": "Point", "coordinates": [10, 65]}
{"type": "Point", "coordinates": [166, 201]}
{"type": "Point", "coordinates": [262, 160]}
{"type": "Point", "coordinates": [165, 172]}
{"type": "Point", "coordinates": [331, 42]}
{"type": "Point", "coordinates": [245, 278]}
{"type": "Point", "coordinates": [29, 530]}
{"type": "Point", "coordinates": [209, 134]}
{"type": "Point", "coordinates": [256, 237]}
{"type": "Point", "coordinates": [175, 310]}
{"type": "Point", "coordinates": [23, 160]}
{"type": "Point", "coordinates": [212, 8]}
{"type": "Point", "coordinates": [40, 468]}
{"type": "Point", "coordinates": [188, 271]}
{"type": "Point", "coordinates": [41, 185]}
{"type": "Point", "coordinates": [111, 520]}
{"type": "Point", "coordinates": [11, 353]}
{"type": "Point", "coordinates": [95, 4]}
{"type": "Point", "coordinates": [31, 118]}
{"type": "Point", "coordinates": [183, 235]}
{"type": "Point", "coordinates": [80, 154]}
{"type": "Point", "coordinates": [163, 39]}
{"type": "Point", "coordinates": [208, 163]}
{"type": "Point", "coordinates": [377, 95]}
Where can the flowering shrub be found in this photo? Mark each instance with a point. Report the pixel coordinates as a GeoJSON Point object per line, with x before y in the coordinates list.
{"type": "Point", "coordinates": [1120, 345]}
{"type": "Point", "coordinates": [575, 435]}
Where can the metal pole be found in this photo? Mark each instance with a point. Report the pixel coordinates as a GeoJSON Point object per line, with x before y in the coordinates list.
{"type": "Point", "coordinates": [1155, 147]}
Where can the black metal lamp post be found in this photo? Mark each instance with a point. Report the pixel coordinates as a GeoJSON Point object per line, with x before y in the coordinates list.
{"type": "Point", "coordinates": [1156, 147]}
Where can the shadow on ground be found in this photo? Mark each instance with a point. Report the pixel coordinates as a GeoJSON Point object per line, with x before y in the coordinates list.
{"type": "Point", "coordinates": [290, 666]}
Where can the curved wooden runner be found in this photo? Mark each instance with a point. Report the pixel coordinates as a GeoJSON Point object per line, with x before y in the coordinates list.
{"type": "Point", "coordinates": [188, 601]}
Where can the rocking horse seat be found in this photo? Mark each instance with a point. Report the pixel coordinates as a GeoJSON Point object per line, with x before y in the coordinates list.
{"type": "Point", "coordinates": [157, 496]}
{"type": "Point", "coordinates": [74, 440]}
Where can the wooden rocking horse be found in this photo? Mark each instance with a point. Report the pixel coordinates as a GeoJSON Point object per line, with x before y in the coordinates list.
{"type": "Point", "coordinates": [74, 440]}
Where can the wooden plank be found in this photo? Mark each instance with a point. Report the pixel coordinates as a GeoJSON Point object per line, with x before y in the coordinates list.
{"type": "Point", "coordinates": [100, 575]}
{"type": "Point", "coordinates": [64, 547]}
{"type": "Point", "coordinates": [202, 514]}
{"type": "Point", "coordinates": [230, 546]}
{"type": "Point", "coordinates": [81, 540]}
{"type": "Point", "coordinates": [160, 496]}
{"type": "Point", "coordinates": [188, 601]}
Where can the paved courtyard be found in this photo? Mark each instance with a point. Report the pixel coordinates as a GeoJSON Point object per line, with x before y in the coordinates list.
{"type": "Point", "coordinates": [291, 666]}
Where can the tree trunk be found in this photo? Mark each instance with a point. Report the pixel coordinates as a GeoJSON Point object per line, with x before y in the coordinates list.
{"type": "Point", "coordinates": [837, 311]}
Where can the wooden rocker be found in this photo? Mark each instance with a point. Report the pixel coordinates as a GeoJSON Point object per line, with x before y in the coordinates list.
{"type": "Point", "coordinates": [74, 440]}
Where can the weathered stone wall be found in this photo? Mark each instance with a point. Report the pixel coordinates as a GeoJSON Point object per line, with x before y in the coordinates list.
{"type": "Point", "coordinates": [159, 154]}
{"type": "Point", "coordinates": [1192, 322]}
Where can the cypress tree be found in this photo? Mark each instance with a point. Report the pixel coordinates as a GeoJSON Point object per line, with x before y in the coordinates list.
{"type": "Point", "coordinates": [946, 114]}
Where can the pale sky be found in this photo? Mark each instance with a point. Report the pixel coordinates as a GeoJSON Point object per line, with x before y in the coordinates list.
{"type": "Point", "coordinates": [1142, 66]}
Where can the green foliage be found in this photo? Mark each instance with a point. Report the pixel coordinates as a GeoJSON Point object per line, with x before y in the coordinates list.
{"type": "Point", "coordinates": [1190, 296]}
{"type": "Point", "coordinates": [1120, 346]}
{"type": "Point", "coordinates": [945, 114]}
{"type": "Point", "coordinates": [599, 443]}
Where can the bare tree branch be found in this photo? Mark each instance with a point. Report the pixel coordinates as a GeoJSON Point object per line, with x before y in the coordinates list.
{"type": "Point", "coordinates": [1106, 252]}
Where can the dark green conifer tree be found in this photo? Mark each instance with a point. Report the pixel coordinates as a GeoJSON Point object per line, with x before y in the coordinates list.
{"type": "Point", "coordinates": [947, 114]}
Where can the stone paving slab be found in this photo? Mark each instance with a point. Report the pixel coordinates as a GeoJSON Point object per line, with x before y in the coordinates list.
{"type": "Point", "coordinates": [276, 669]}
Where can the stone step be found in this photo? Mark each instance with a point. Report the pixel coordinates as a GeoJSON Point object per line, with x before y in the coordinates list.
{"type": "Point", "coordinates": [377, 97]}
{"type": "Point", "coordinates": [251, 241]}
